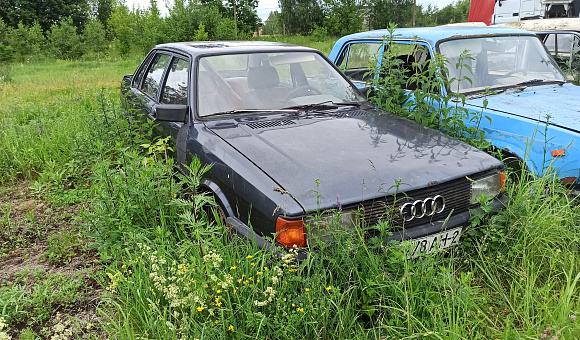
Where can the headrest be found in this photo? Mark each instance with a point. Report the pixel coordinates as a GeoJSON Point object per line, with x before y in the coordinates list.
{"type": "Point", "coordinates": [263, 77]}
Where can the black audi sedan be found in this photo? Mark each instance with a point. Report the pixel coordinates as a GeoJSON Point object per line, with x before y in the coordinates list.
{"type": "Point", "coordinates": [291, 138]}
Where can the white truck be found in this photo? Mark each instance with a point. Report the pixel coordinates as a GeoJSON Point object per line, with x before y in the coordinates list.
{"type": "Point", "coordinates": [516, 10]}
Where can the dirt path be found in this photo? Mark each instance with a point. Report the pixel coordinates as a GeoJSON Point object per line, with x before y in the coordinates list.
{"type": "Point", "coordinates": [47, 271]}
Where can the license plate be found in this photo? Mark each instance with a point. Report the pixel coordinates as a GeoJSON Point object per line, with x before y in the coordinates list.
{"type": "Point", "coordinates": [427, 244]}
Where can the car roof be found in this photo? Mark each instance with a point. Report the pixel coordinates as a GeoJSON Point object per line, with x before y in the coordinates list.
{"type": "Point", "coordinates": [433, 34]}
{"type": "Point", "coordinates": [195, 48]}
{"type": "Point", "coordinates": [577, 32]}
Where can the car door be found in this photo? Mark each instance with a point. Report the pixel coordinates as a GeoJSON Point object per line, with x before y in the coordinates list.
{"type": "Point", "coordinates": [175, 91]}
{"type": "Point", "coordinates": [163, 79]}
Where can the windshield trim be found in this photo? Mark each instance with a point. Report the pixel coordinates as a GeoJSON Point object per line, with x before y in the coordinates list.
{"type": "Point", "coordinates": [292, 49]}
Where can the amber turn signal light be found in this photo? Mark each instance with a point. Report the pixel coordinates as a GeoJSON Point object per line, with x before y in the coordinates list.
{"type": "Point", "coordinates": [502, 181]}
{"type": "Point", "coordinates": [558, 153]}
{"type": "Point", "coordinates": [291, 233]}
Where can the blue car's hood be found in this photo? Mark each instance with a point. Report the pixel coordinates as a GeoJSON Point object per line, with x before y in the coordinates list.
{"type": "Point", "coordinates": [561, 103]}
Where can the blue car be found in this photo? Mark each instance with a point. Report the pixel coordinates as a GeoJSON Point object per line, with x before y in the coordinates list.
{"type": "Point", "coordinates": [534, 109]}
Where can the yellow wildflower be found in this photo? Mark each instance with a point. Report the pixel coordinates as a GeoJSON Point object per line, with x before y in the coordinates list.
{"type": "Point", "coordinates": [239, 280]}
{"type": "Point", "coordinates": [233, 268]}
{"type": "Point", "coordinates": [259, 273]}
{"type": "Point", "coordinates": [307, 289]}
{"type": "Point", "coordinates": [231, 328]}
{"type": "Point", "coordinates": [266, 269]}
{"type": "Point", "coordinates": [293, 305]}
{"type": "Point", "coordinates": [258, 280]}
{"type": "Point", "coordinates": [219, 304]}
{"type": "Point", "coordinates": [252, 264]}
{"type": "Point", "coordinates": [249, 256]}
{"type": "Point", "coordinates": [218, 291]}
{"type": "Point", "coordinates": [199, 309]}
{"type": "Point", "coordinates": [192, 280]}
{"type": "Point", "coordinates": [329, 288]}
{"type": "Point", "coordinates": [301, 310]}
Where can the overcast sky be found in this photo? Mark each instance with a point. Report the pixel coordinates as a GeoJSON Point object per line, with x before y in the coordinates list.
{"type": "Point", "coordinates": [266, 6]}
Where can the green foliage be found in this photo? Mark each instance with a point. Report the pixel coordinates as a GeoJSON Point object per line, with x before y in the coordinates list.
{"type": "Point", "coordinates": [5, 72]}
{"type": "Point", "coordinates": [386, 12]}
{"type": "Point", "coordinates": [102, 10]}
{"type": "Point", "coordinates": [455, 12]}
{"type": "Point", "coordinates": [320, 33]}
{"type": "Point", "coordinates": [200, 34]}
{"type": "Point", "coordinates": [273, 25]}
{"type": "Point", "coordinates": [6, 55]}
{"type": "Point", "coordinates": [301, 16]}
{"type": "Point", "coordinates": [4, 30]}
{"type": "Point", "coordinates": [64, 246]}
{"type": "Point", "coordinates": [342, 17]}
{"type": "Point", "coordinates": [33, 296]}
{"type": "Point", "coordinates": [45, 13]}
{"type": "Point", "coordinates": [28, 42]}
{"type": "Point", "coordinates": [427, 101]}
{"type": "Point", "coordinates": [122, 30]}
{"type": "Point", "coordinates": [64, 41]}
{"type": "Point", "coordinates": [94, 38]}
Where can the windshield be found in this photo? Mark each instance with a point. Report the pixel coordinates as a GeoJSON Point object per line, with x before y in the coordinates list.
{"type": "Point", "coordinates": [498, 62]}
{"type": "Point", "coordinates": [269, 81]}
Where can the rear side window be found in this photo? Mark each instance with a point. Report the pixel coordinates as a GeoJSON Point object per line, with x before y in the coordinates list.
{"type": "Point", "coordinates": [175, 89]}
{"type": "Point", "coordinates": [357, 59]}
{"type": "Point", "coordinates": [153, 77]}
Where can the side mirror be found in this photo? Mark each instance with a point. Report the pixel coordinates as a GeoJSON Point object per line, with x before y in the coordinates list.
{"type": "Point", "coordinates": [171, 113]}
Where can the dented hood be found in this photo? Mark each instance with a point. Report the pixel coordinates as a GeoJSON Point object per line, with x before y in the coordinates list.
{"type": "Point", "coordinates": [358, 155]}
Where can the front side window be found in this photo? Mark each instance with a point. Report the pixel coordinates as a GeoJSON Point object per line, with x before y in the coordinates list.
{"type": "Point", "coordinates": [153, 78]}
{"type": "Point", "coordinates": [272, 81]}
{"type": "Point", "coordinates": [176, 85]}
{"type": "Point", "coordinates": [138, 78]}
{"type": "Point", "coordinates": [357, 59]}
{"type": "Point", "coordinates": [498, 62]}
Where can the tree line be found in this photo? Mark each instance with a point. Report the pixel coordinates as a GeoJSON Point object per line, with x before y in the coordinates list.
{"type": "Point", "coordinates": [72, 29]}
{"type": "Point", "coordinates": [341, 17]}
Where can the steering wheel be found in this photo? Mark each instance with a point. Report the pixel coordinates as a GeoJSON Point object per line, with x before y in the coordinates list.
{"type": "Point", "coordinates": [302, 91]}
{"type": "Point", "coordinates": [522, 70]}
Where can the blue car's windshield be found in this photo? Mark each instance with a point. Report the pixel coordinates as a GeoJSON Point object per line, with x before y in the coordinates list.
{"type": "Point", "coordinates": [268, 81]}
{"type": "Point", "coordinates": [500, 61]}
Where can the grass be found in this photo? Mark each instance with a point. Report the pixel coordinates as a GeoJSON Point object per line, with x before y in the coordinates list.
{"type": "Point", "coordinates": [160, 269]}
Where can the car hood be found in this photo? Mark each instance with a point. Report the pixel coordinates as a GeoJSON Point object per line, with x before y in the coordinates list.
{"type": "Point", "coordinates": [354, 155]}
{"type": "Point", "coordinates": [537, 102]}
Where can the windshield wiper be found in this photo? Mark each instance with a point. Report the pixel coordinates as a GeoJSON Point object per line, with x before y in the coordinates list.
{"type": "Point", "coordinates": [329, 104]}
{"type": "Point", "coordinates": [291, 110]}
{"type": "Point", "coordinates": [538, 81]}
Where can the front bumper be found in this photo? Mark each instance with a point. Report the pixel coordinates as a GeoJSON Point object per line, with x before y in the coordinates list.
{"type": "Point", "coordinates": [423, 230]}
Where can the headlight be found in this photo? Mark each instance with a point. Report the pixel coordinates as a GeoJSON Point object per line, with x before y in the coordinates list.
{"type": "Point", "coordinates": [326, 226]}
{"type": "Point", "coordinates": [491, 185]}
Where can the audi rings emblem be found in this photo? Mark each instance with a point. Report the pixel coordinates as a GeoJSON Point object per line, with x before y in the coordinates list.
{"type": "Point", "coordinates": [421, 208]}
